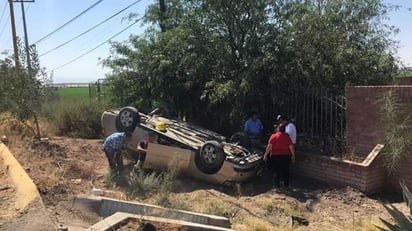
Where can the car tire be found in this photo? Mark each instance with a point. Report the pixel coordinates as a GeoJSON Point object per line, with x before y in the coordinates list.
{"type": "Point", "coordinates": [127, 119]}
{"type": "Point", "coordinates": [209, 159]}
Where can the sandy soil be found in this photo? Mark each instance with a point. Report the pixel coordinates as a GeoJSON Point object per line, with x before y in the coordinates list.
{"type": "Point", "coordinates": [63, 168]}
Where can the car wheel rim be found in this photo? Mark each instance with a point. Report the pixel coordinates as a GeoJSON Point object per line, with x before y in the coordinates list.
{"type": "Point", "coordinates": [126, 118]}
{"type": "Point", "coordinates": [209, 154]}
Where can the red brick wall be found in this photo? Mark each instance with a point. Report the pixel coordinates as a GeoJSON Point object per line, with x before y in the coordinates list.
{"type": "Point", "coordinates": [364, 127]}
{"type": "Point", "coordinates": [367, 178]}
{"type": "Point", "coordinates": [405, 81]}
{"type": "Point", "coordinates": [364, 130]}
{"type": "Point", "coordinates": [362, 119]}
{"type": "Point", "coordinates": [375, 176]}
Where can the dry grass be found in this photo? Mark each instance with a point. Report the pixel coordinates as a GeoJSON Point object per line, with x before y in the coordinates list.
{"type": "Point", "coordinates": [218, 208]}
{"type": "Point", "coordinates": [12, 127]}
{"type": "Point", "coordinates": [366, 225]}
{"type": "Point", "coordinates": [202, 201]}
{"type": "Point", "coordinates": [253, 224]}
{"type": "Point", "coordinates": [287, 208]}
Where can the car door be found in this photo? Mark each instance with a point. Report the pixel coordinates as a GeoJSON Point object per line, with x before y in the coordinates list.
{"type": "Point", "coordinates": [161, 156]}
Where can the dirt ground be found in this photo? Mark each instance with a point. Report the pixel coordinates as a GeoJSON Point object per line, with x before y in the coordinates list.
{"type": "Point", "coordinates": [7, 199]}
{"type": "Point", "coordinates": [133, 225]}
{"type": "Point", "coordinates": [63, 168]}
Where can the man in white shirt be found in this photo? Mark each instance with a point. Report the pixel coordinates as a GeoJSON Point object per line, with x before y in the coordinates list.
{"type": "Point", "coordinates": [290, 127]}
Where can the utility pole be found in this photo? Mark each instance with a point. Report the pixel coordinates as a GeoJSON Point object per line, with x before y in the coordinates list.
{"type": "Point", "coordinates": [26, 39]}
{"type": "Point", "coordinates": [13, 29]}
{"type": "Point", "coordinates": [162, 7]}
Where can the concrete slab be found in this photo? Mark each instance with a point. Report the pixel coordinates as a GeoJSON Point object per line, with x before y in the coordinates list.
{"type": "Point", "coordinates": [107, 207]}
{"type": "Point", "coordinates": [110, 206]}
{"type": "Point", "coordinates": [117, 219]}
{"type": "Point", "coordinates": [25, 188]}
{"type": "Point", "coordinates": [28, 201]}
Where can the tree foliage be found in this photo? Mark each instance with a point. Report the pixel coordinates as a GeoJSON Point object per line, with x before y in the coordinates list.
{"type": "Point", "coordinates": [23, 89]}
{"type": "Point", "coordinates": [217, 60]}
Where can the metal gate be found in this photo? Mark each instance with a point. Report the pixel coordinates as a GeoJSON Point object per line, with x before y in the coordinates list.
{"type": "Point", "coordinates": [319, 116]}
{"type": "Point", "coordinates": [99, 92]}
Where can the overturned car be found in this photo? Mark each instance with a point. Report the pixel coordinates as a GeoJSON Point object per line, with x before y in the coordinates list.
{"type": "Point", "coordinates": [198, 152]}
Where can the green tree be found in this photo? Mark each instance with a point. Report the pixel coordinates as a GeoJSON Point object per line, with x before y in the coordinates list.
{"type": "Point", "coordinates": [216, 60]}
{"type": "Point", "coordinates": [24, 90]}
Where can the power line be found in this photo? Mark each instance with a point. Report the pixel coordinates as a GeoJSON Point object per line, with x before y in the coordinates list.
{"type": "Point", "coordinates": [21, 19]}
{"type": "Point", "coordinates": [4, 10]}
{"type": "Point", "coordinates": [101, 44]}
{"type": "Point", "coordinates": [2, 30]}
{"type": "Point", "coordinates": [5, 23]}
{"type": "Point", "coordinates": [67, 23]}
{"type": "Point", "coordinates": [398, 6]}
{"type": "Point", "coordinates": [90, 29]}
{"type": "Point", "coordinates": [109, 30]}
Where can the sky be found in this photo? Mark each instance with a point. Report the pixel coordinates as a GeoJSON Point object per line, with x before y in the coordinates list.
{"type": "Point", "coordinates": [45, 16]}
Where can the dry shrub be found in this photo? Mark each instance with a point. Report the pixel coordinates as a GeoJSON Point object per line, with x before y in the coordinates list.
{"type": "Point", "coordinates": [142, 183]}
{"type": "Point", "coordinates": [78, 119]}
{"type": "Point", "coordinates": [16, 129]}
{"type": "Point", "coordinates": [48, 149]}
{"type": "Point", "coordinates": [13, 127]}
{"type": "Point", "coordinates": [115, 194]}
{"type": "Point", "coordinates": [167, 183]}
{"type": "Point", "coordinates": [49, 181]}
{"type": "Point", "coordinates": [397, 128]}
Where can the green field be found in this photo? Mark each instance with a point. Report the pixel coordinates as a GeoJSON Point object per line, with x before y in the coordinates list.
{"type": "Point", "coordinates": [406, 73]}
{"type": "Point", "coordinates": [74, 93]}
{"type": "Point", "coordinates": [83, 94]}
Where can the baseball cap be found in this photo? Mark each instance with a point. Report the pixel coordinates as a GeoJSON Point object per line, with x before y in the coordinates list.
{"type": "Point", "coordinates": [281, 117]}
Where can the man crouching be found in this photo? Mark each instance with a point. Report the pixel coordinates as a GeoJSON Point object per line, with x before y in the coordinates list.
{"type": "Point", "coordinates": [113, 146]}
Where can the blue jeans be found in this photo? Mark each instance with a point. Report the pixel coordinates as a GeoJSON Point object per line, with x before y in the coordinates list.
{"type": "Point", "coordinates": [115, 160]}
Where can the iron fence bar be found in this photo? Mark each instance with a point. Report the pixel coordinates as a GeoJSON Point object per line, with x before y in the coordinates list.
{"type": "Point", "coordinates": [321, 111]}
{"type": "Point", "coordinates": [330, 114]}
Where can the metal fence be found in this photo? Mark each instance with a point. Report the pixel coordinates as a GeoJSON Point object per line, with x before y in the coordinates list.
{"type": "Point", "coordinates": [99, 91]}
{"type": "Point", "coordinates": [319, 116]}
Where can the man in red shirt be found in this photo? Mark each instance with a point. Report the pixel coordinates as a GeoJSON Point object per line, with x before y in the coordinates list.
{"type": "Point", "coordinates": [279, 153]}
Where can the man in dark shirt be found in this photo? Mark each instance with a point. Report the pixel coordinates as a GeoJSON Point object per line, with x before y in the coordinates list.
{"type": "Point", "coordinates": [142, 148]}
